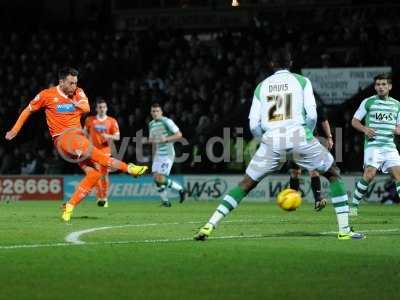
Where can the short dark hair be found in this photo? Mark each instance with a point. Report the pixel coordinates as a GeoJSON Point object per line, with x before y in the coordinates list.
{"type": "Point", "coordinates": [64, 72]}
{"type": "Point", "coordinates": [100, 101]}
{"type": "Point", "coordinates": [384, 76]}
{"type": "Point", "coordinates": [281, 58]}
{"type": "Point", "coordinates": [156, 105]}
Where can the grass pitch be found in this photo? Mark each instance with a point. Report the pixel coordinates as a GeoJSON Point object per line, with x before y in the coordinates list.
{"type": "Point", "coordinates": [146, 252]}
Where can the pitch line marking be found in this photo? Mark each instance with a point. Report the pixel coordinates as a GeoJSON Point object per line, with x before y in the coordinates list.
{"type": "Point", "coordinates": [364, 231]}
{"type": "Point", "coordinates": [74, 237]}
{"type": "Point", "coordinates": [156, 241]}
{"type": "Point", "coordinates": [147, 241]}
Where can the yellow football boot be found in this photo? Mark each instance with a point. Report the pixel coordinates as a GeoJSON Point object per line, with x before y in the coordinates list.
{"type": "Point", "coordinates": [136, 171]}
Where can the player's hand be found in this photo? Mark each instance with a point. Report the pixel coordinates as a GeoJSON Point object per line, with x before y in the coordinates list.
{"type": "Point", "coordinates": [106, 136]}
{"type": "Point", "coordinates": [10, 135]}
{"type": "Point", "coordinates": [163, 139]}
{"type": "Point", "coordinates": [329, 143]}
{"type": "Point", "coordinates": [397, 130]}
{"type": "Point", "coordinates": [369, 132]}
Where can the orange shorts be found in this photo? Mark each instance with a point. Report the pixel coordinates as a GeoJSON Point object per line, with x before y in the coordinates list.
{"type": "Point", "coordinates": [75, 147]}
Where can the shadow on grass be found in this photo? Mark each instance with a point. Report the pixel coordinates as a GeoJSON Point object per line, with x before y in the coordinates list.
{"type": "Point", "coordinates": [85, 218]}
{"type": "Point", "coordinates": [299, 234]}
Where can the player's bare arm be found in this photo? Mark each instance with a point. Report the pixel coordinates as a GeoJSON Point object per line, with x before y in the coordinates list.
{"type": "Point", "coordinates": [163, 139]}
{"type": "Point", "coordinates": [113, 137]}
{"type": "Point", "coordinates": [171, 138]}
{"type": "Point", "coordinates": [327, 131]}
{"type": "Point", "coordinates": [369, 132]}
{"type": "Point", "coordinates": [397, 130]}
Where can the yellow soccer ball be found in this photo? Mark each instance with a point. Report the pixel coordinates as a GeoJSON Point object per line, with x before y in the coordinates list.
{"type": "Point", "coordinates": [289, 199]}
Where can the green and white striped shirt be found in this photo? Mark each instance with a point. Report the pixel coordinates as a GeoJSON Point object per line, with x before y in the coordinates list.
{"type": "Point", "coordinates": [163, 127]}
{"type": "Point", "coordinates": [382, 115]}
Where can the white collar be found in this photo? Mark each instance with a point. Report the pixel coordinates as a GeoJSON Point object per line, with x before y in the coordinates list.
{"type": "Point", "coordinates": [101, 119]}
{"type": "Point", "coordinates": [282, 71]}
{"type": "Point", "coordinates": [61, 92]}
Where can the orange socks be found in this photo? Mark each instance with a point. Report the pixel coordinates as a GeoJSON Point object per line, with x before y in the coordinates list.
{"type": "Point", "coordinates": [107, 161]}
{"type": "Point", "coordinates": [102, 187]}
{"type": "Point", "coordinates": [118, 164]}
{"type": "Point", "coordinates": [84, 187]}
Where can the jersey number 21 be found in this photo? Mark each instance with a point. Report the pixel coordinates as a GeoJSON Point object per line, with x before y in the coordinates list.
{"type": "Point", "coordinates": [281, 108]}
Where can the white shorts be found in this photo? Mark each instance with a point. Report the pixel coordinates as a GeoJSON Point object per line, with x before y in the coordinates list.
{"type": "Point", "coordinates": [381, 158]}
{"type": "Point", "coordinates": [311, 156]}
{"type": "Point", "coordinates": [162, 165]}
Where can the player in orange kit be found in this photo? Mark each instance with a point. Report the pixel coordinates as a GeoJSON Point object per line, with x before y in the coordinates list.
{"type": "Point", "coordinates": [102, 130]}
{"type": "Point", "coordinates": [64, 106]}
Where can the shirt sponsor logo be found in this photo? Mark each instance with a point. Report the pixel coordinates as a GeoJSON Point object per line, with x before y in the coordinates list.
{"type": "Point", "coordinates": [100, 128]}
{"type": "Point", "coordinates": [65, 108]}
{"type": "Point", "coordinates": [384, 116]}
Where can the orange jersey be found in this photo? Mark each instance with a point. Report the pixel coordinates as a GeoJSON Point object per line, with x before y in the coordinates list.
{"type": "Point", "coordinates": [96, 127]}
{"type": "Point", "coordinates": [62, 112]}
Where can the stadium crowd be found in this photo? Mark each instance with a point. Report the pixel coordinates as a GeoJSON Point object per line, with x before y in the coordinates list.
{"type": "Point", "coordinates": [205, 82]}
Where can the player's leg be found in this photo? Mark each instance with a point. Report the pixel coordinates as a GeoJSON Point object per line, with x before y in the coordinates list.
{"type": "Point", "coordinates": [314, 156]}
{"type": "Point", "coordinates": [319, 202]}
{"type": "Point", "coordinates": [263, 162]}
{"type": "Point", "coordinates": [294, 183]}
{"type": "Point", "coordinates": [161, 169]}
{"type": "Point", "coordinates": [176, 186]}
{"type": "Point", "coordinates": [77, 144]}
{"type": "Point", "coordinates": [395, 172]}
{"type": "Point", "coordinates": [103, 184]}
{"type": "Point", "coordinates": [87, 183]}
{"type": "Point", "coordinates": [160, 181]}
{"type": "Point", "coordinates": [102, 187]}
{"type": "Point", "coordinates": [295, 173]}
{"type": "Point", "coordinates": [339, 199]}
{"type": "Point", "coordinates": [373, 160]}
{"type": "Point", "coordinates": [392, 164]}
{"type": "Point", "coordinates": [110, 162]}
{"type": "Point", "coordinates": [362, 188]}
{"type": "Point", "coordinates": [230, 201]}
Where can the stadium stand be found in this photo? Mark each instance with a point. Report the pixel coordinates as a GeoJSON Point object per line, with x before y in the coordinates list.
{"type": "Point", "coordinates": [204, 84]}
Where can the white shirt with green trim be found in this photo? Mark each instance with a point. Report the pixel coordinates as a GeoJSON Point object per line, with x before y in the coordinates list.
{"type": "Point", "coordinates": [163, 127]}
{"type": "Point", "coordinates": [283, 104]}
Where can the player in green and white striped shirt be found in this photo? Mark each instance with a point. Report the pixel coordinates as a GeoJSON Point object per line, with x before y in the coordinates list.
{"type": "Point", "coordinates": [382, 120]}
{"type": "Point", "coordinates": [162, 133]}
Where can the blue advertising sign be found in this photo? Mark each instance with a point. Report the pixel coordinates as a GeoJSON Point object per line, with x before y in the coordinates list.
{"type": "Point", "coordinates": [123, 187]}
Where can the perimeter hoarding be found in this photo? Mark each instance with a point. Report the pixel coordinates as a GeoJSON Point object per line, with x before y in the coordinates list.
{"type": "Point", "coordinates": [14, 188]}
{"type": "Point", "coordinates": [213, 187]}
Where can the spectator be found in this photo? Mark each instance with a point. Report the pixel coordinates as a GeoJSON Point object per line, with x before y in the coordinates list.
{"type": "Point", "coordinates": [28, 165]}
{"type": "Point", "coordinates": [6, 160]}
{"type": "Point", "coordinates": [54, 164]}
{"type": "Point", "coordinates": [201, 84]}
